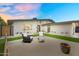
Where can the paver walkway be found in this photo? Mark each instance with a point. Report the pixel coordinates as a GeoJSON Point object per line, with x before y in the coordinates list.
{"type": "Point", "coordinates": [51, 47]}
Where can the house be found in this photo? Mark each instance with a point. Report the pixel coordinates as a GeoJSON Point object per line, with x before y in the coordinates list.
{"type": "Point", "coordinates": [19, 26]}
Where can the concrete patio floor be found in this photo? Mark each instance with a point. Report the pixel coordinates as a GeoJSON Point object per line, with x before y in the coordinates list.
{"type": "Point", "coordinates": [51, 47]}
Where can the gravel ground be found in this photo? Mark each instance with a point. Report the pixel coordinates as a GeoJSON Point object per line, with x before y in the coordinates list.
{"type": "Point", "coordinates": [51, 47]}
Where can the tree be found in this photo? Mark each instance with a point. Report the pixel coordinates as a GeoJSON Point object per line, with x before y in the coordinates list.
{"type": "Point", "coordinates": [2, 22]}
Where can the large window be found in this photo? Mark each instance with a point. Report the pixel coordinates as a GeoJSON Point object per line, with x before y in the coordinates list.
{"type": "Point", "coordinates": [48, 30]}
{"type": "Point", "coordinates": [77, 29]}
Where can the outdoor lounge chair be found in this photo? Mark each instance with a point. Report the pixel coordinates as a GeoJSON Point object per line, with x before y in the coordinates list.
{"type": "Point", "coordinates": [27, 39]}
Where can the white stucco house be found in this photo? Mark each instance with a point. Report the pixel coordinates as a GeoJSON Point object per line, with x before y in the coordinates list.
{"type": "Point", "coordinates": [67, 28]}
{"type": "Point", "coordinates": [28, 25]}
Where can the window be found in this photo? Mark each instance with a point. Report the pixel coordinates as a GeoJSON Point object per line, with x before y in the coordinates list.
{"type": "Point", "coordinates": [66, 32]}
{"type": "Point", "coordinates": [77, 29]}
{"type": "Point", "coordinates": [17, 33]}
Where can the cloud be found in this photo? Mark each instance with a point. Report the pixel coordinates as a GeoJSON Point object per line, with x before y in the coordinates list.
{"type": "Point", "coordinates": [27, 7]}
{"type": "Point", "coordinates": [20, 11]}
{"type": "Point", "coordinates": [4, 9]}
{"type": "Point", "coordinates": [19, 17]}
{"type": "Point", "coordinates": [6, 17]}
{"type": "Point", "coordinates": [29, 10]}
{"type": "Point", "coordinates": [24, 16]}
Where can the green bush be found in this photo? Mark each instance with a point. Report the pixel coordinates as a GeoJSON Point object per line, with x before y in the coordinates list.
{"type": "Point", "coordinates": [63, 37]}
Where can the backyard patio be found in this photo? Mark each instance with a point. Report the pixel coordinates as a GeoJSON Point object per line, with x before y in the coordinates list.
{"type": "Point", "coordinates": [51, 47]}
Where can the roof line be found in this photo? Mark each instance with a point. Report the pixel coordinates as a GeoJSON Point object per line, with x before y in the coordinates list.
{"type": "Point", "coordinates": [65, 22]}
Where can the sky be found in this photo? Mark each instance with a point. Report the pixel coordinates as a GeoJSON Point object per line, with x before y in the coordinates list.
{"type": "Point", "coordinates": [56, 11]}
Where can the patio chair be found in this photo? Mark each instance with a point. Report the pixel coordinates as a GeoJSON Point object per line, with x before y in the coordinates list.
{"type": "Point", "coordinates": [27, 39]}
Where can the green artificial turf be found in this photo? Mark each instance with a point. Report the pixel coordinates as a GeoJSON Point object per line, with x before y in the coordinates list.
{"type": "Point", "coordinates": [2, 44]}
{"type": "Point", "coordinates": [62, 37]}
{"type": "Point", "coordinates": [36, 34]}
{"type": "Point", "coordinates": [14, 38]}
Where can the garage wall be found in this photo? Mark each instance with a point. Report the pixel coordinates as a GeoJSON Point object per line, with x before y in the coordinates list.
{"type": "Point", "coordinates": [61, 29]}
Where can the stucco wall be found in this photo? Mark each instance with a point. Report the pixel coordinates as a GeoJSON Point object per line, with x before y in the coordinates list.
{"type": "Point", "coordinates": [61, 29]}
{"type": "Point", "coordinates": [44, 28]}
{"type": "Point", "coordinates": [19, 26]}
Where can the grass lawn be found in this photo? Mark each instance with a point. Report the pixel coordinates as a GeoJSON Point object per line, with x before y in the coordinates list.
{"type": "Point", "coordinates": [62, 37]}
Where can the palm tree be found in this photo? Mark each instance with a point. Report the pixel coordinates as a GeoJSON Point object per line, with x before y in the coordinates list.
{"type": "Point", "coordinates": [2, 23]}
